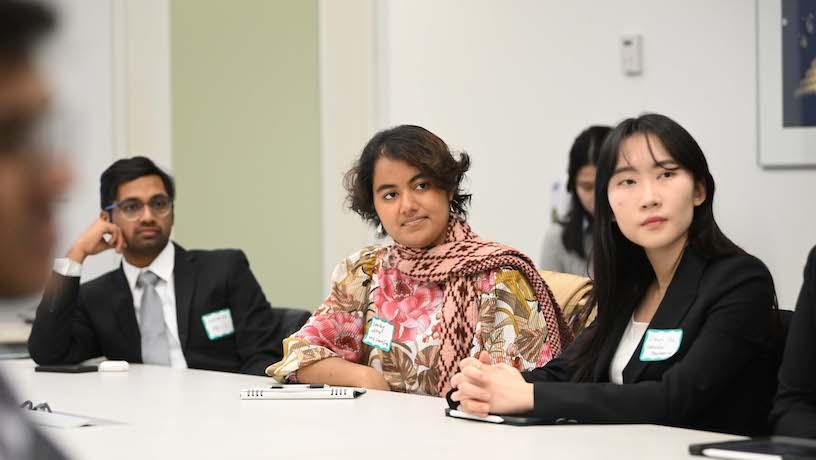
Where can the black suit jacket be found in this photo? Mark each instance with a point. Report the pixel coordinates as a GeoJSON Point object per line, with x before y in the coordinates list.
{"type": "Point", "coordinates": [794, 413]}
{"type": "Point", "coordinates": [75, 323]}
{"type": "Point", "coordinates": [721, 379]}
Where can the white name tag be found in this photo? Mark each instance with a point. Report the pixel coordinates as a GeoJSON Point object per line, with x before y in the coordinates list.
{"type": "Point", "coordinates": [218, 324]}
{"type": "Point", "coordinates": [661, 344]}
{"type": "Point", "coordinates": [380, 334]}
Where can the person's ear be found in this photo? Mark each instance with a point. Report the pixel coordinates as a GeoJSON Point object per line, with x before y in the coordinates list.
{"type": "Point", "coordinates": [104, 216]}
{"type": "Point", "coordinates": [700, 194]}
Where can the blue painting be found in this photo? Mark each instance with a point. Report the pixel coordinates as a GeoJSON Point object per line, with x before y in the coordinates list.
{"type": "Point", "coordinates": [799, 63]}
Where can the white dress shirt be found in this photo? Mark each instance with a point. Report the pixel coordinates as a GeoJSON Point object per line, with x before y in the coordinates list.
{"type": "Point", "coordinates": [162, 266]}
{"type": "Point", "coordinates": [627, 345]}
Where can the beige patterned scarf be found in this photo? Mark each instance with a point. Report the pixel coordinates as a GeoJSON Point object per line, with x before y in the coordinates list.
{"type": "Point", "coordinates": [456, 263]}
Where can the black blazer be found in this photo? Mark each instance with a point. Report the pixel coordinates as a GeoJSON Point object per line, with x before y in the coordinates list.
{"type": "Point", "coordinates": [75, 323]}
{"type": "Point", "coordinates": [794, 413]}
{"type": "Point", "coordinates": [721, 379]}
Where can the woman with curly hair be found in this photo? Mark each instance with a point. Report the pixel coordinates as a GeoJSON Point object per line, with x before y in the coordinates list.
{"type": "Point", "coordinates": [401, 316]}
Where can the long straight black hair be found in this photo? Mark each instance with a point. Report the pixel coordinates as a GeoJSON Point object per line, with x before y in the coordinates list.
{"type": "Point", "coordinates": [621, 270]}
{"type": "Point", "coordinates": [584, 152]}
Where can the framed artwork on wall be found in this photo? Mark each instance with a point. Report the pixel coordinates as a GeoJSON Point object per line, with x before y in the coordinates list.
{"type": "Point", "coordinates": [786, 83]}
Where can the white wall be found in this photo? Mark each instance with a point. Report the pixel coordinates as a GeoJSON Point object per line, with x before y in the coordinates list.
{"type": "Point", "coordinates": [347, 117]}
{"type": "Point", "coordinates": [109, 67]}
{"type": "Point", "coordinates": [514, 82]}
{"type": "Point", "coordinates": [511, 82]}
{"type": "Point", "coordinates": [79, 63]}
{"type": "Point", "coordinates": [141, 75]}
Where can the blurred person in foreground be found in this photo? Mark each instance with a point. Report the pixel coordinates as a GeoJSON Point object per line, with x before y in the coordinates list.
{"type": "Point", "coordinates": [30, 182]}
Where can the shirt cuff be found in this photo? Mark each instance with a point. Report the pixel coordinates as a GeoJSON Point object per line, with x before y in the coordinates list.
{"type": "Point", "coordinates": [67, 267]}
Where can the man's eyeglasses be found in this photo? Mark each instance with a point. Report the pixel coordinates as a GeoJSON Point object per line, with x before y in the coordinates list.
{"type": "Point", "coordinates": [132, 209]}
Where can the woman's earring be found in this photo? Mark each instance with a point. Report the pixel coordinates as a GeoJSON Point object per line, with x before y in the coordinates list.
{"type": "Point", "coordinates": [381, 231]}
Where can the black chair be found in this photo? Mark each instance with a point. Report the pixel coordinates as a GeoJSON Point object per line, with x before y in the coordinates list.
{"type": "Point", "coordinates": [292, 319]}
{"type": "Point", "coordinates": [770, 373]}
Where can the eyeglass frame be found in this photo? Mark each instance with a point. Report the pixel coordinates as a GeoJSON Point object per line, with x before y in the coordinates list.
{"type": "Point", "coordinates": [142, 205]}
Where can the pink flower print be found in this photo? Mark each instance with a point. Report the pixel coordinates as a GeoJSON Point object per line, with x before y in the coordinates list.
{"type": "Point", "coordinates": [405, 302]}
{"type": "Point", "coordinates": [545, 356]}
{"type": "Point", "coordinates": [487, 281]}
{"type": "Point", "coordinates": [512, 350]}
{"type": "Point", "coordinates": [340, 332]}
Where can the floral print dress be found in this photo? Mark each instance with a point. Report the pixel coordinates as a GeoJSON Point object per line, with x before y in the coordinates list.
{"type": "Point", "coordinates": [365, 286]}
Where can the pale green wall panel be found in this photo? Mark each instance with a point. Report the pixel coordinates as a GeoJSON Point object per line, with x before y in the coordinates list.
{"type": "Point", "coordinates": [246, 137]}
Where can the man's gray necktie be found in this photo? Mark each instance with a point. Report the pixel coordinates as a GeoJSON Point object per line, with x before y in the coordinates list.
{"type": "Point", "coordinates": [155, 349]}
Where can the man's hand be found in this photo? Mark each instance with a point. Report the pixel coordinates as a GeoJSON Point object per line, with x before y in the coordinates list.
{"type": "Point", "coordinates": [100, 236]}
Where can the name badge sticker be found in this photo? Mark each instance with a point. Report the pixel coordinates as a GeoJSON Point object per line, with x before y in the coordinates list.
{"type": "Point", "coordinates": [218, 324]}
{"type": "Point", "coordinates": [661, 344]}
{"type": "Point", "coordinates": [380, 334]}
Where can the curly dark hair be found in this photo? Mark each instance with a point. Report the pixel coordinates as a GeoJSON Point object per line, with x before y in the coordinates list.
{"type": "Point", "coordinates": [421, 149]}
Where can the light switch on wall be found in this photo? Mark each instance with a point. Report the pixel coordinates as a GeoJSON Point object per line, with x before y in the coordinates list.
{"type": "Point", "coordinates": [632, 54]}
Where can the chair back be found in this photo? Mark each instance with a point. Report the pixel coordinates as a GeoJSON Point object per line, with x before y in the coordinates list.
{"type": "Point", "coordinates": [572, 293]}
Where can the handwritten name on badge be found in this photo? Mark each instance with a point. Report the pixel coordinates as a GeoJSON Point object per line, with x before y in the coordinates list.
{"type": "Point", "coordinates": [661, 344]}
{"type": "Point", "coordinates": [380, 333]}
{"type": "Point", "coordinates": [218, 324]}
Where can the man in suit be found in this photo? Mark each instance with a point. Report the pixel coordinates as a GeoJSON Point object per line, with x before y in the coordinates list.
{"type": "Point", "coordinates": [30, 183]}
{"type": "Point", "coordinates": [794, 412]}
{"type": "Point", "coordinates": [164, 305]}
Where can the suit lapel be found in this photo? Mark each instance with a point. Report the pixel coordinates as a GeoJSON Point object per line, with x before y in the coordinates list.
{"type": "Point", "coordinates": [673, 308]}
{"type": "Point", "coordinates": [184, 277]}
{"type": "Point", "coordinates": [125, 313]}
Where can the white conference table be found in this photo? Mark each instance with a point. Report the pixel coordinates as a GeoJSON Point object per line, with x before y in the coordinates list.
{"type": "Point", "coordinates": [13, 330]}
{"type": "Point", "coordinates": [173, 413]}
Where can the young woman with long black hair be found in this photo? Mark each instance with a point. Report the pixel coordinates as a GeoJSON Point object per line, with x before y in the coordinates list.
{"type": "Point", "coordinates": [685, 332]}
{"type": "Point", "coordinates": [568, 242]}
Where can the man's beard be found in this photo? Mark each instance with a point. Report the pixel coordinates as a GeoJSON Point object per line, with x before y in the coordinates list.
{"type": "Point", "coordinates": [149, 248]}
